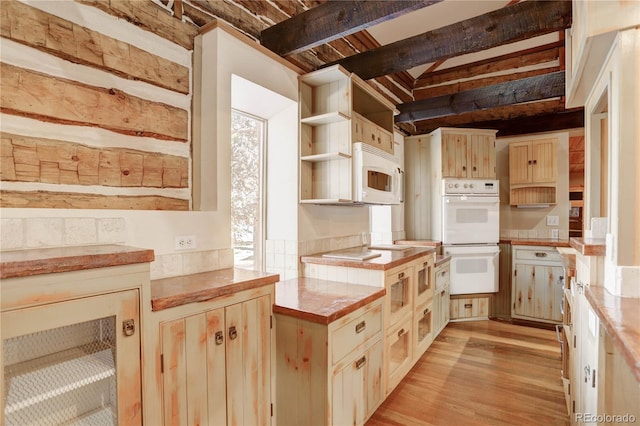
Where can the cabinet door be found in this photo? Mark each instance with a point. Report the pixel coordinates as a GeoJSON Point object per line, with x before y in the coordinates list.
{"type": "Point", "coordinates": [544, 159]}
{"type": "Point", "coordinates": [483, 154]}
{"type": "Point", "coordinates": [524, 290]}
{"type": "Point", "coordinates": [551, 282]}
{"type": "Point", "coordinates": [454, 155]}
{"type": "Point", "coordinates": [425, 281]}
{"type": "Point", "coordinates": [519, 163]}
{"type": "Point", "coordinates": [385, 141]}
{"type": "Point", "coordinates": [357, 125]}
{"type": "Point", "coordinates": [357, 388]}
{"type": "Point", "coordinates": [248, 355]}
{"type": "Point", "coordinates": [399, 294]}
{"type": "Point", "coordinates": [398, 343]}
{"type": "Point", "coordinates": [423, 319]}
{"type": "Point", "coordinates": [84, 355]}
{"type": "Point", "coordinates": [185, 371]}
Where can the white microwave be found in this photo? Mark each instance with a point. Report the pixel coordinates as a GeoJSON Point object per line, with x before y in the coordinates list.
{"type": "Point", "coordinates": [377, 176]}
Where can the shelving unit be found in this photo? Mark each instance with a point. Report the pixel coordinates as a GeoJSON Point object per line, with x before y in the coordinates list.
{"type": "Point", "coordinates": [337, 108]}
{"type": "Point", "coordinates": [533, 172]}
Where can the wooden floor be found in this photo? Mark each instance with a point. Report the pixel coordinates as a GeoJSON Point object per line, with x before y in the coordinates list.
{"type": "Point", "coordinates": [481, 373]}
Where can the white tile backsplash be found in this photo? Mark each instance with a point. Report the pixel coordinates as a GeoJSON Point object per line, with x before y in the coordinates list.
{"type": "Point", "coordinates": [43, 232]}
{"type": "Point", "coordinates": [11, 234]}
{"type": "Point", "coordinates": [80, 231]}
{"type": "Point", "coordinates": [112, 230]}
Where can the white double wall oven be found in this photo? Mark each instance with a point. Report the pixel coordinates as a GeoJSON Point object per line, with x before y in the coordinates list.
{"type": "Point", "coordinates": [470, 233]}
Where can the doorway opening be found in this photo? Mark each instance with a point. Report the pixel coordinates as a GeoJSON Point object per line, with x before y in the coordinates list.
{"type": "Point", "coordinates": [247, 189]}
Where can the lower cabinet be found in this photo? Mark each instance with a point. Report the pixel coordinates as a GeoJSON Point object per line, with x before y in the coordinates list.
{"type": "Point", "coordinates": [468, 308]}
{"type": "Point", "coordinates": [398, 352]}
{"type": "Point", "coordinates": [216, 356]}
{"type": "Point", "coordinates": [211, 363]}
{"type": "Point", "coordinates": [441, 299]}
{"type": "Point", "coordinates": [537, 284]}
{"type": "Point", "coordinates": [329, 374]}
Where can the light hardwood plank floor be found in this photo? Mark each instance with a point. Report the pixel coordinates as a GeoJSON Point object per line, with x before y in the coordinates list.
{"type": "Point", "coordinates": [481, 373]}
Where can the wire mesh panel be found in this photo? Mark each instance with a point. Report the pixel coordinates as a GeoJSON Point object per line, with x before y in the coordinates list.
{"type": "Point", "coordinates": [64, 375]}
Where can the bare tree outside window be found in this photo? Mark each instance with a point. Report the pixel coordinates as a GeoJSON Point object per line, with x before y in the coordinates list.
{"type": "Point", "coordinates": [246, 189]}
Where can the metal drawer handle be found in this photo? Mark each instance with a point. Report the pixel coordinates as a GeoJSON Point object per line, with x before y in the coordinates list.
{"type": "Point", "coordinates": [219, 337]}
{"type": "Point", "coordinates": [468, 305]}
{"type": "Point", "coordinates": [232, 332]}
{"type": "Point", "coordinates": [442, 293]}
{"type": "Point", "coordinates": [401, 332]}
{"type": "Point", "coordinates": [401, 275]}
{"type": "Point", "coordinates": [360, 327]}
{"type": "Point", "coordinates": [128, 327]}
{"type": "Point", "coordinates": [541, 254]}
{"type": "Point", "coordinates": [361, 362]}
{"type": "Point", "coordinates": [426, 311]}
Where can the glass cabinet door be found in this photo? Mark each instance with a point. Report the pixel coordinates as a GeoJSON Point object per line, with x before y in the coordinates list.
{"type": "Point", "coordinates": [74, 362]}
{"type": "Point", "coordinates": [423, 318]}
{"type": "Point", "coordinates": [399, 294]}
{"type": "Point", "coordinates": [424, 286]}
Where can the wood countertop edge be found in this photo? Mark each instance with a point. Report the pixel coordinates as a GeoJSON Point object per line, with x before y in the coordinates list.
{"type": "Point", "coordinates": [325, 319]}
{"type": "Point", "coordinates": [535, 242]}
{"type": "Point", "coordinates": [208, 291]}
{"type": "Point", "coordinates": [366, 264]}
{"type": "Point", "coordinates": [589, 246]}
{"type": "Point", "coordinates": [441, 259]}
{"type": "Point", "coordinates": [569, 263]}
{"type": "Point", "coordinates": [625, 337]}
{"type": "Point", "coordinates": [59, 262]}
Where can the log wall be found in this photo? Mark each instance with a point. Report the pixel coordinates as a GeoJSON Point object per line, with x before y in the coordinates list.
{"type": "Point", "coordinates": [91, 119]}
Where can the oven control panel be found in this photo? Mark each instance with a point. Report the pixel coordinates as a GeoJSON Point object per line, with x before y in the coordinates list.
{"type": "Point", "coordinates": [451, 186]}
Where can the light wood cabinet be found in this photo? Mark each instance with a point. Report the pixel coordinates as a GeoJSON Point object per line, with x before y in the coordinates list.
{"type": "Point", "coordinates": [71, 346]}
{"type": "Point", "coordinates": [398, 351]}
{"type": "Point", "coordinates": [215, 356]}
{"type": "Point", "coordinates": [466, 153]}
{"type": "Point", "coordinates": [441, 298]}
{"type": "Point", "coordinates": [400, 283]}
{"type": "Point", "coordinates": [211, 362]}
{"type": "Point", "coordinates": [533, 172]}
{"type": "Point", "coordinates": [337, 109]}
{"type": "Point", "coordinates": [537, 284]}
{"type": "Point", "coordinates": [330, 373]}
{"type": "Point", "coordinates": [463, 308]}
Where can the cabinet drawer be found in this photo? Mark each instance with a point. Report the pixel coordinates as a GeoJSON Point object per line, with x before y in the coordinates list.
{"type": "Point", "coordinates": [540, 255]}
{"type": "Point", "coordinates": [355, 332]}
{"type": "Point", "coordinates": [468, 308]}
{"type": "Point", "coordinates": [442, 275]}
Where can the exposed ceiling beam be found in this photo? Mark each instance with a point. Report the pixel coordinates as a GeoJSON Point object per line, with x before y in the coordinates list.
{"type": "Point", "coordinates": [570, 119]}
{"type": "Point", "coordinates": [509, 93]}
{"type": "Point", "coordinates": [332, 20]}
{"type": "Point", "coordinates": [506, 25]}
{"type": "Point", "coordinates": [508, 112]}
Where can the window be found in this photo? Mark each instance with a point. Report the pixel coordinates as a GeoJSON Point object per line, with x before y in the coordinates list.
{"type": "Point", "coordinates": [247, 182]}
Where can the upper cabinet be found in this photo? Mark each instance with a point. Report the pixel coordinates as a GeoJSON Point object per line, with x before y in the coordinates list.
{"type": "Point", "coordinates": [594, 28]}
{"type": "Point", "coordinates": [466, 153]}
{"type": "Point", "coordinates": [337, 108]}
{"type": "Point", "coordinates": [533, 172]}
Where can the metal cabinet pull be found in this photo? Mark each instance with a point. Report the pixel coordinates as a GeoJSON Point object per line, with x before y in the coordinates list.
{"type": "Point", "coordinates": [219, 337]}
{"type": "Point", "coordinates": [541, 254]}
{"type": "Point", "coordinates": [232, 332]}
{"type": "Point", "coordinates": [129, 327]}
{"type": "Point", "coordinates": [360, 327]}
{"type": "Point", "coordinates": [401, 332]}
{"type": "Point", "coordinates": [361, 362]}
{"type": "Point", "coordinates": [468, 305]}
{"type": "Point", "coordinates": [401, 275]}
{"type": "Point", "coordinates": [426, 311]}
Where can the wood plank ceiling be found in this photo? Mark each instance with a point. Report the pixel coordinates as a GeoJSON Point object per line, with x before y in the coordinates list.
{"type": "Point", "coordinates": [489, 93]}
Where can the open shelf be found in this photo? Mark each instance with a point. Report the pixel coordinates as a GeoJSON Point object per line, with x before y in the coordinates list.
{"type": "Point", "coordinates": [41, 379]}
{"type": "Point", "coordinates": [325, 157]}
{"type": "Point", "coordinates": [327, 118]}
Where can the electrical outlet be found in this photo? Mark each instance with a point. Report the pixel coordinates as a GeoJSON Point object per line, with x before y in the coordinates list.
{"type": "Point", "coordinates": [186, 242]}
{"type": "Point", "coordinates": [553, 220]}
{"type": "Point", "coordinates": [554, 234]}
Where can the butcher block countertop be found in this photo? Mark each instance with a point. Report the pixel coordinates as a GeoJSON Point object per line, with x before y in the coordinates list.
{"type": "Point", "coordinates": [620, 316]}
{"type": "Point", "coordinates": [419, 243]}
{"type": "Point", "coordinates": [23, 263]}
{"type": "Point", "coordinates": [322, 301]}
{"type": "Point", "coordinates": [177, 291]}
{"type": "Point", "coordinates": [386, 259]}
{"type": "Point", "coordinates": [545, 242]}
{"type": "Point", "coordinates": [589, 246]}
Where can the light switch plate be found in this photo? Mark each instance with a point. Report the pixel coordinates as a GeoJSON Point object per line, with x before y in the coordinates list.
{"type": "Point", "coordinates": [554, 234]}
{"type": "Point", "coordinates": [553, 220]}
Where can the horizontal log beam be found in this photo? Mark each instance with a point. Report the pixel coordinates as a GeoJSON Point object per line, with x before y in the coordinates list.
{"type": "Point", "coordinates": [509, 93]}
{"type": "Point", "coordinates": [31, 94]}
{"type": "Point", "coordinates": [30, 159]}
{"type": "Point", "coordinates": [332, 20]}
{"type": "Point", "coordinates": [506, 25]}
{"type": "Point", "coordinates": [70, 200]}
